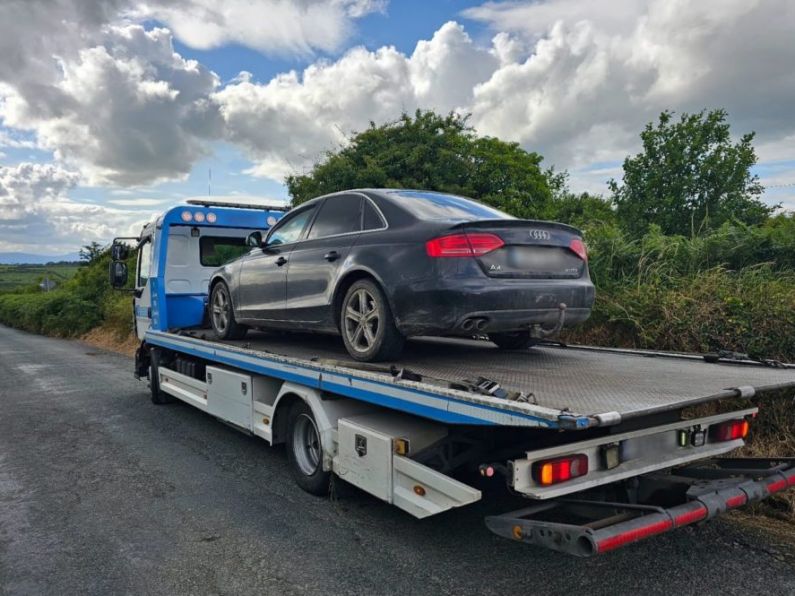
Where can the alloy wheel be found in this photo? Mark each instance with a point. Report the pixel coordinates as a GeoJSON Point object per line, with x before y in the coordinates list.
{"type": "Point", "coordinates": [362, 320]}
{"type": "Point", "coordinates": [220, 310]}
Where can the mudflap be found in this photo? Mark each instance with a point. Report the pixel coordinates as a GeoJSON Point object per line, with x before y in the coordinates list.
{"type": "Point", "coordinates": [142, 361]}
{"type": "Point", "coordinates": [686, 495]}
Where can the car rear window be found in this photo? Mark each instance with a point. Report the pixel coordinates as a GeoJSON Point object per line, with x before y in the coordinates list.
{"type": "Point", "coordinates": [431, 205]}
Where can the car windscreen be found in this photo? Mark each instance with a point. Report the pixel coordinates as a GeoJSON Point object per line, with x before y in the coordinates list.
{"type": "Point", "coordinates": [431, 205]}
{"type": "Point", "coordinates": [215, 251]}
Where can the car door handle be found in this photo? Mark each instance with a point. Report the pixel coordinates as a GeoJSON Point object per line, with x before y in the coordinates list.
{"type": "Point", "coordinates": [331, 256]}
{"type": "Point", "coordinates": [281, 261]}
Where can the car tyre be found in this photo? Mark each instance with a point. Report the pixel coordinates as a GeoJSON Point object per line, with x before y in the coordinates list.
{"type": "Point", "coordinates": [515, 340]}
{"type": "Point", "coordinates": [159, 397]}
{"type": "Point", "coordinates": [367, 325]}
{"type": "Point", "coordinates": [305, 451]}
{"type": "Point", "coordinates": [222, 315]}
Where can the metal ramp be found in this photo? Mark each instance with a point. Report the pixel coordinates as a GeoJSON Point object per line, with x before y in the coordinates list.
{"type": "Point", "coordinates": [579, 380]}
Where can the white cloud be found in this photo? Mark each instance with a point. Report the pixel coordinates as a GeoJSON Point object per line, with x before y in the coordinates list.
{"type": "Point", "coordinates": [287, 123]}
{"type": "Point", "coordinates": [574, 80]}
{"type": "Point", "coordinates": [129, 111]}
{"type": "Point", "coordinates": [270, 26]}
{"type": "Point", "coordinates": [115, 101]}
{"type": "Point", "coordinates": [36, 215]}
{"type": "Point", "coordinates": [599, 71]}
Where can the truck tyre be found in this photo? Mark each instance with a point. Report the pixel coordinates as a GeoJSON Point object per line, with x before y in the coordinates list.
{"type": "Point", "coordinates": [305, 451]}
{"type": "Point", "coordinates": [158, 397]}
{"type": "Point", "coordinates": [367, 325]}
{"type": "Point", "coordinates": [517, 340]}
{"type": "Point", "coordinates": [222, 315]}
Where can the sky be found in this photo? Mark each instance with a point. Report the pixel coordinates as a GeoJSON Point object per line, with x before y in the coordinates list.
{"type": "Point", "coordinates": [112, 110]}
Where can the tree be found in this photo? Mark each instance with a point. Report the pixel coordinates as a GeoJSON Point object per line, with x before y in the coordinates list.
{"type": "Point", "coordinates": [91, 252]}
{"type": "Point", "coordinates": [690, 177]}
{"type": "Point", "coordinates": [432, 152]}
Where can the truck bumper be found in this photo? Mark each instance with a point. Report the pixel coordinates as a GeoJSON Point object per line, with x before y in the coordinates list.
{"type": "Point", "coordinates": [709, 488]}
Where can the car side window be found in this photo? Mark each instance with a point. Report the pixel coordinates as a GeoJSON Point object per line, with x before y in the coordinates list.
{"type": "Point", "coordinates": [338, 215]}
{"type": "Point", "coordinates": [290, 228]}
{"type": "Point", "coordinates": [371, 219]}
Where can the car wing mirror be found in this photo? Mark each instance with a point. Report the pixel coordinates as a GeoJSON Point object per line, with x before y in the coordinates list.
{"type": "Point", "coordinates": [254, 240]}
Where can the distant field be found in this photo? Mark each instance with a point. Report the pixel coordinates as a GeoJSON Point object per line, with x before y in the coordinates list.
{"type": "Point", "coordinates": [13, 277]}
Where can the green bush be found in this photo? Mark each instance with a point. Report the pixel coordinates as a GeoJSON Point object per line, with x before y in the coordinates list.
{"type": "Point", "coordinates": [59, 313]}
{"type": "Point", "coordinates": [752, 311]}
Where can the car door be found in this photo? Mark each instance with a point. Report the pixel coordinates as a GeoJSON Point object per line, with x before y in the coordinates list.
{"type": "Point", "coordinates": [316, 261]}
{"type": "Point", "coordinates": [263, 272]}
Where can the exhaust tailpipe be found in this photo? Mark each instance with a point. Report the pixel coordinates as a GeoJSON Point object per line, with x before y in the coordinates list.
{"type": "Point", "coordinates": [480, 324]}
{"type": "Point", "coordinates": [468, 325]}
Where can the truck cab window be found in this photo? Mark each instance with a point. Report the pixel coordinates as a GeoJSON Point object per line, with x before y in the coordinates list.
{"type": "Point", "coordinates": [144, 263]}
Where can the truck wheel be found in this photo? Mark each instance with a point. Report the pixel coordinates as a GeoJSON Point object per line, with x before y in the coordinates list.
{"type": "Point", "coordinates": [518, 340]}
{"type": "Point", "coordinates": [222, 315]}
{"type": "Point", "coordinates": [305, 451]}
{"type": "Point", "coordinates": [158, 397]}
{"type": "Point", "coordinates": [367, 326]}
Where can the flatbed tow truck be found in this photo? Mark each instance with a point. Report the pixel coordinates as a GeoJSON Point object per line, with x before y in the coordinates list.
{"type": "Point", "coordinates": [609, 446]}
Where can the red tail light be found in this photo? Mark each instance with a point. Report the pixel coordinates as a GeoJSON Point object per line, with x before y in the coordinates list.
{"type": "Point", "coordinates": [561, 469]}
{"type": "Point", "coordinates": [729, 431]}
{"type": "Point", "coordinates": [463, 245]}
{"type": "Point", "coordinates": [578, 247]}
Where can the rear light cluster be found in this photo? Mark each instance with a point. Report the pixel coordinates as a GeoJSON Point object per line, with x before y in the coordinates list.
{"type": "Point", "coordinates": [729, 431]}
{"type": "Point", "coordinates": [475, 244]}
{"type": "Point", "coordinates": [553, 471]}
{"type": "Point", "coordinates": [463, 245]}
{"type": "Point", "coordinates": [577, 246]}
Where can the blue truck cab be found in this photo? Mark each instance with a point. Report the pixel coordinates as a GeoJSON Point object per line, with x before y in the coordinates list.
{"type": "Point", "coordinates": [177, 254]}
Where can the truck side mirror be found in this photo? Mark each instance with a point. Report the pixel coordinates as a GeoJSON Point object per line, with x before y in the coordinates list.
{"type": "Point", "coordinates": [119, 251]}
{"type": "Point", "coordinates": [254, 240]}
{"type": "Point", "coordinates": [118, 274]}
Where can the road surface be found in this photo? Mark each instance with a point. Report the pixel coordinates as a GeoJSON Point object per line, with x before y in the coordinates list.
{"type": "Point", "coordinates": [102, 492]}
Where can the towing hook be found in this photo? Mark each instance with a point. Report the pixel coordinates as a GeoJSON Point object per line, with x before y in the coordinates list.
{"type": "Point", "coordinates": [538, 332]}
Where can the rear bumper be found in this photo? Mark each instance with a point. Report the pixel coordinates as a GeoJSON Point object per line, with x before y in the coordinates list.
{"type": "Point", "coordinates": [715, 486]}
{"type": "Point", "coordinates": [440, 307]}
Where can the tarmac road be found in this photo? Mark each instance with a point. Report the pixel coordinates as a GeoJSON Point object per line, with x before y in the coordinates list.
{"type": "Point", "coordinates": [102, 492]}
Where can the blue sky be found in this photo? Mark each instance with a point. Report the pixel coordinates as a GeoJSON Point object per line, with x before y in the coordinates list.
{"type": "Point", "coordinates": [109, 115]}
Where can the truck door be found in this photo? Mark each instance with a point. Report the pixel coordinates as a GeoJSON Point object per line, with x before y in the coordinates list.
{"type": "Point", "coordinates": [142, 300]}
{"type": "Point", "coordinates": [315, 262]}
{"type": "Point", "coordinates": [263, 272]}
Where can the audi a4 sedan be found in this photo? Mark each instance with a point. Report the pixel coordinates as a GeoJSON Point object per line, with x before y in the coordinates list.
{"type": "Point", "coordinates": [378, 266]}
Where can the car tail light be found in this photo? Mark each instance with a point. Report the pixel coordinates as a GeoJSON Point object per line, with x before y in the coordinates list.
{"type": "Point", "coordinates": [463, 245]}
{"type": "Point", "coordinates": [553, 471]}
{"type": "Point", "coordinates": [578, 247]}
{"type": "Point", "coordinates": [729, 431]}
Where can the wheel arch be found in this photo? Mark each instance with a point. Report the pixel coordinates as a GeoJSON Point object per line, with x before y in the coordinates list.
{"type": "Point", "coordinates": [326, 412]}
{"type": "Point", "coordinates": [346, 281]}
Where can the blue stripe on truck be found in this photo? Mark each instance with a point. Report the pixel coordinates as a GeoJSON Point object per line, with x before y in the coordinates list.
{"type": "Point", "coordinates": [314, 378]}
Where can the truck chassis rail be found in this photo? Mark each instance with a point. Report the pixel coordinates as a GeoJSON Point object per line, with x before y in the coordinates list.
{"type": "Point", "coordinates": [707, 489]}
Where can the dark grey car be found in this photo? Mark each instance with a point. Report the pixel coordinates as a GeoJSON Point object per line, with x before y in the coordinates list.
{"type": "Point", "coordinates": [378, 266]}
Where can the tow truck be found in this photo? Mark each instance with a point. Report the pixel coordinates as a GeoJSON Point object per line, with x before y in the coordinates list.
{"type": "Point", "coordinates": [608, 446]}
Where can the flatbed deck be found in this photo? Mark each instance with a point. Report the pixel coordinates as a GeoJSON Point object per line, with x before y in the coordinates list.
{"type": "Point", "coordinates": [570, 386]}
